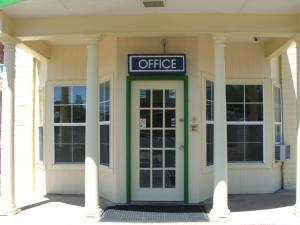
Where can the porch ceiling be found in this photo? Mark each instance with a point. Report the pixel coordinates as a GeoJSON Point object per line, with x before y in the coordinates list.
{"type": "Point", "coordinates": [38, 8]}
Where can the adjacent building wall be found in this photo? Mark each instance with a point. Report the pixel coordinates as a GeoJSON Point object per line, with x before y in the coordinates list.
{"type": "Point", "coordinates": [289, 92]}
{"type": "Point", "coordinates": [24, 95]}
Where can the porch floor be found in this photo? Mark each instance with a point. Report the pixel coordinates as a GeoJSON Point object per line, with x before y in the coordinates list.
{"type": "Point", "coordinates": [264, 209]}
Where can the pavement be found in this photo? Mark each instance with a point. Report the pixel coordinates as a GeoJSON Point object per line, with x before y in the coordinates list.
{"type": "Point", "coordinates": [263, 209]}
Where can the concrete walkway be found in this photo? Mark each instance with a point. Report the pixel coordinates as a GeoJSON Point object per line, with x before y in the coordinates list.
{"type": "Point", "coordinates": [261, 209]}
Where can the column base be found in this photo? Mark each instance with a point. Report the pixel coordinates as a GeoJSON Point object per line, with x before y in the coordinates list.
{"type": "Point", "coordinates": [93, 212]}
{"type": "Point", "coordinates": [219, 214]}
{"type": "Point", "coordinates": [9, 212]}
{"type": "Point", "coordinates": [296, 210]}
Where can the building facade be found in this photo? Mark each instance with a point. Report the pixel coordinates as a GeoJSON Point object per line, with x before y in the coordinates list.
{"type": "Point", "coordinates": [86, 123]}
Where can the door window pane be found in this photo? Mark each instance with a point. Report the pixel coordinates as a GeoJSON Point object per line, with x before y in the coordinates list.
{"type": "Point", "coordinates": [170, 178]}
{"type": "Point", "coordinates": [144, 178]}
{"type": "Point", "coordinates": [157, 139]}
{"type": "Point", "coordinates": [145, 159]}
{"type": "Point", "coordinates": [145, 98]}
{"type": "Point", "coordinates": [145, 138]}
{"type": "Point", "coordinates": [157, 159]}
{"type": "Point", "coordinates": [170, 138]}
{"type": "Point", "coordinates": [157, 120]}
{"type": "Point", "coordinates": [170, 118]}
{"type": "Point", "coordinates": [170, 158]}
{"type": "Point", "coordinates": [170, 98]}
{"type": "Point", "coordinates": [157, 178]}
{"type": "Point", "coordinates": [145, 118]}
{"type": "Point", "coordinates": [157, 99]}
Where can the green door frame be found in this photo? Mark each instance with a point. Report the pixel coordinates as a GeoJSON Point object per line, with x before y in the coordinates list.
{"type": "Point", "coordinates": [130, 79]}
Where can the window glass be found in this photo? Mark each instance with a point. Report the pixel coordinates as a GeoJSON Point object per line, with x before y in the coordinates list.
{"type": "Point", "coordinates": [104, 123]}
{"type": "Point", "coordinates": [209, 122]}
{"type": "Point", "coordinates": [253, 93]}
{"type": "Point", "coordinates": [277, 115]}
{"type": "Point", "coordinates": [254, 112]}
{"type": "Point", "coordinates": [104, 144]}
{"type": "Point", "coordinates": [69, 124]}
{"type": "Point", "coordinates": [235, 112]}
{"type": "Point", "coordinates": [245, 123]}
{"type": "Point", "coordinates": [234, 93]}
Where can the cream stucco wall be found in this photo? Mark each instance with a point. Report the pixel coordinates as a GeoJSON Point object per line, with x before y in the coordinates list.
{"type": "Point", "coordinates": [66, 67]}
{"type": "Point", "coordinates": [245, 62]}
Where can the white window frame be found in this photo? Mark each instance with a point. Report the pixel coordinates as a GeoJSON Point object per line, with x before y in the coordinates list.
{"type": "Point", "coordinates": [249, 122]}
{"type": "Point", "coordinates": [53, 124]}
{"type": "Point", "coordinates": [102, 81]}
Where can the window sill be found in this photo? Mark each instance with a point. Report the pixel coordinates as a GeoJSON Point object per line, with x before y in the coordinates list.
{"type": "Point", "coordinates": [106, 169]}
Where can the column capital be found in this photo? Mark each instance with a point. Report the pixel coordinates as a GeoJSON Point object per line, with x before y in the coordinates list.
{"type": "Point", "coordinates": [94, 39]}
{"type": "Point", "coordinates": [219, 38]}
{"type": "Point", "coordinates": [9, 42]}
{"type": "Point", "coordinates": [297, 38]}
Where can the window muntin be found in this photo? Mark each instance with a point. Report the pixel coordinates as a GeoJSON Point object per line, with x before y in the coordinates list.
{"type": "Point", "coordinates": [277, 115]}
{"type": "Point", "coordinates": [104, 122]}
{"type": "Point", "coordinates": [244, 123]}
{"type": "Point", "coordinates": [69, 124]}
{"type": "Point", "coordinates": [209, 121]}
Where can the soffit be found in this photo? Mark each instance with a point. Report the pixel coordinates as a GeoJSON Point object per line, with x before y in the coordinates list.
{"type": "Point", "coordinates": [40, 8]}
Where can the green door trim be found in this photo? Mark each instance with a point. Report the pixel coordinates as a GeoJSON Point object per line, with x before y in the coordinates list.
{"type": "Point", "coordinates": [186, 129]}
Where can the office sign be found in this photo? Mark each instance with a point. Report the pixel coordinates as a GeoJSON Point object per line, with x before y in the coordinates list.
{"type": "Point", "coordinates": [156, 64]}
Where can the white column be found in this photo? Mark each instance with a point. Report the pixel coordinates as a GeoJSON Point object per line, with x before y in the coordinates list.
{"type": "Point", "coordinates": [7, 204]}
{"type": "Point", "coordinates": [297, 205]}
{"type": "Point", "coordinates": [220, 196]}
{"type": "Point", "coordinates": [91, 137]}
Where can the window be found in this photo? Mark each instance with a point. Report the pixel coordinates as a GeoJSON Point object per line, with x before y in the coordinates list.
{"type": "Point", "coordinates": [41, 144]}
{"type": "Point", "coordinates": [69, 124]}
{"type": "Point", "coordinates": [277, 115]}
{"type": "Point", "coordinates": [244, 123]}
{"type": "Point", "coordinates": [104, 123]}
{"type": "Point", "coordinates": [209, 122]}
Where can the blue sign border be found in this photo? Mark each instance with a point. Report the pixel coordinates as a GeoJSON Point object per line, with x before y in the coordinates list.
{"type": "Point", "coordinates": [149, 72]}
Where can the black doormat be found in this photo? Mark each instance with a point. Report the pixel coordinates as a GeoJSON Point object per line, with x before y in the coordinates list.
{"type": "Point", "coordinates": [160, 208]}
{"type": "Point", "coordinates": [154, 213]}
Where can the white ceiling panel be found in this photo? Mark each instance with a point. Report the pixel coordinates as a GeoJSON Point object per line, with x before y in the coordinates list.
{"type": "Point", "coordinates": [271, 6]}
{"type": "Point", "coordinates": [36, 8]}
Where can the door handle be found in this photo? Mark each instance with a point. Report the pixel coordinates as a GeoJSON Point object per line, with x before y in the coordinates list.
{"type": "Point", "coordinates": [181, 147]}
